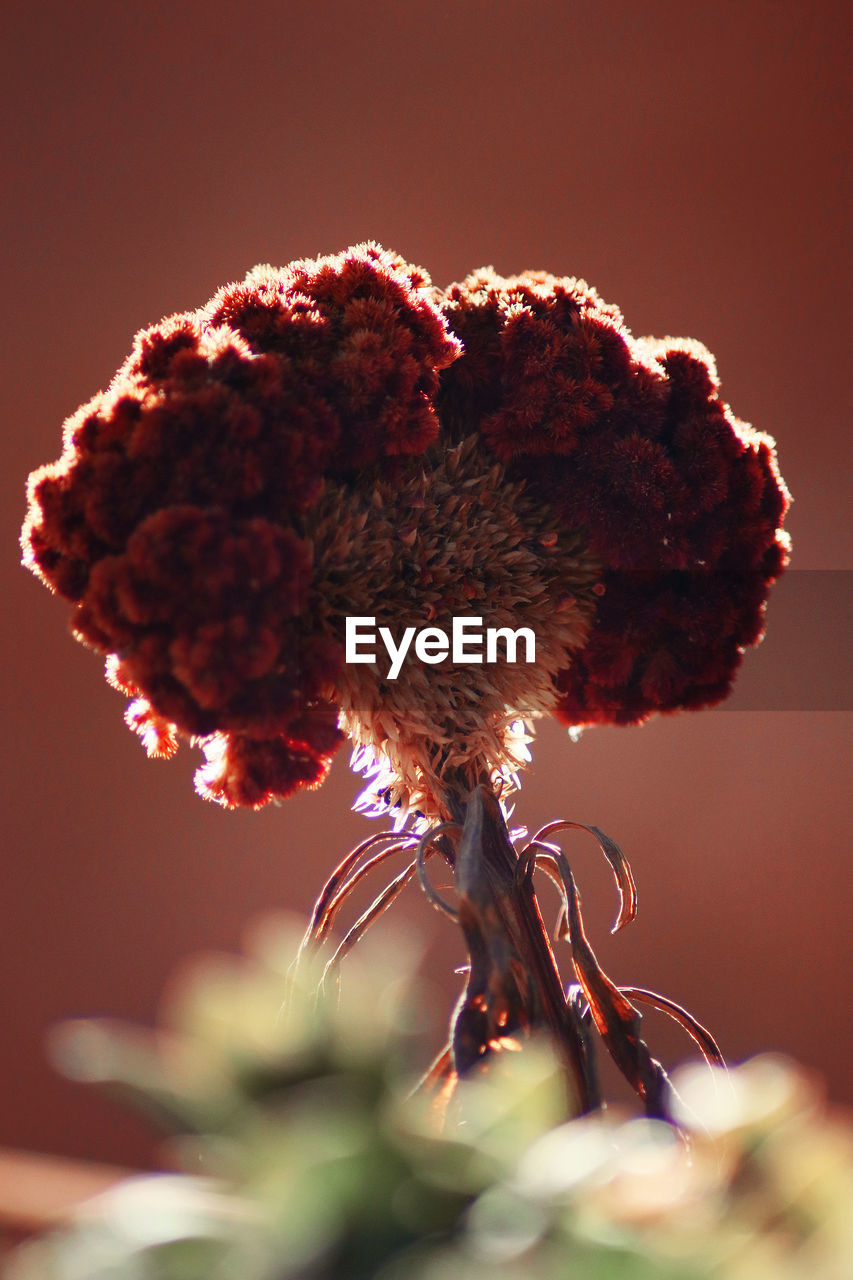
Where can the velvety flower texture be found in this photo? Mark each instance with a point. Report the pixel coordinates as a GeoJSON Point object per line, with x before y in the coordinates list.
{"type": "Point", "coordinates": [171, 521]}
{"type": "Point", "coordinates": [629, 443]}
{"type": "Point", "coordinates": [337, 437]}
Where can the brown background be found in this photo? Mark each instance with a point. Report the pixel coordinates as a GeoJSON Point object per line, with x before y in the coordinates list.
{"type": "Point", "coordinates": [688, 160]}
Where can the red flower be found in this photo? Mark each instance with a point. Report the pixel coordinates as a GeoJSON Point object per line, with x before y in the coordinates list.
{"type": "Point", "coordinates": [629, 443]}
{"type": "Point", "coordinates": [336, 438]}
{"type": "Point", "coordinates": [171, 521]}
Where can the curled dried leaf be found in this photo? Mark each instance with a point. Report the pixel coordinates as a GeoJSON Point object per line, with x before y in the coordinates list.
{"type": "Point", "coordinates": [318, 925]}
{"type": "Point", "coordinates": [708, 1046]}
{"type": "Point", "coordinates": [619, 864]}
{"type": "Point", "coordinates": [615, 1017]}
{"type": "Point", "coordinates": [424, 846]}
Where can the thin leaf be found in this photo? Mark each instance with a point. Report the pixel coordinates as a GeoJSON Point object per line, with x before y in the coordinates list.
{"type": "Point", "coordinates": [338, 875]}
{"type": "Point", "coordinates": [707, 1044]}
{"type": "Point", "coordinates": [619, 864]}
{"type": "Point", "coordinates": [373, 912]}
{"type": "Point", "coordinates": [616, 1018]}
{"type": "Point", "coordinates": [343, 893]}
{"type": "Point", "coordinates": [420, 861]}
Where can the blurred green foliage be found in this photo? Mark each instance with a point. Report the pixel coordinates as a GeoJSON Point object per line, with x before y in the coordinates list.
{"type": "Point", "coordinates": [307, 1152]}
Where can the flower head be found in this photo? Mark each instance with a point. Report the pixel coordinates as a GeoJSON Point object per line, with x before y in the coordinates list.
{"type": "Point", "coordinates": [175, 518]}
{"type": "Point", "coordinates": [627, 441]}
{"type": "Point", "coordinates": [337, 438]}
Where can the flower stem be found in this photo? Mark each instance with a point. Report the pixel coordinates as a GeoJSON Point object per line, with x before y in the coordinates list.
{"type": "Point", "coordinates": [513, 983]}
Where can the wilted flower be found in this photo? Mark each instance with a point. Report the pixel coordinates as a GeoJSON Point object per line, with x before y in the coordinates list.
{"type": "Point", "coordinates": [336, 439]}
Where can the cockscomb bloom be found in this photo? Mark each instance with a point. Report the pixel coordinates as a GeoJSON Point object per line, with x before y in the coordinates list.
{"type": "Point", "coordinates": [629, 444]}
{"type": "Point", "coordinates": [338, 438]}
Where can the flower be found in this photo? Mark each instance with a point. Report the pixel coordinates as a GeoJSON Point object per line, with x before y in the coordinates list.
{"type": "Point", "coordinates": [337, 438]}
{"type": "Point", "coordinates": [627, 441]}
{"type": "Point", "coordinates": [174, 519]}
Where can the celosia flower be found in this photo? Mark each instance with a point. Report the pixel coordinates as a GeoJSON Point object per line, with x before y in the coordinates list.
{"type": "Point", "coordinates": [628, 442]}
{"type": "Point", "coordinates": [339, 439]}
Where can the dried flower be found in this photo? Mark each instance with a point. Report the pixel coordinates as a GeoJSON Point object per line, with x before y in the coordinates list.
{"type": "Point", "coordinates": [338, 439]}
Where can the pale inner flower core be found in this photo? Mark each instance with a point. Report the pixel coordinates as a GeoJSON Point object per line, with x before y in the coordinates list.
{"type": "Point", "coordinates": [450, 537]}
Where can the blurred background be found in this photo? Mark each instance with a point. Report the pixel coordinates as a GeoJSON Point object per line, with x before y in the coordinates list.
{"type": "Point", "coordinates": [690, 162]}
